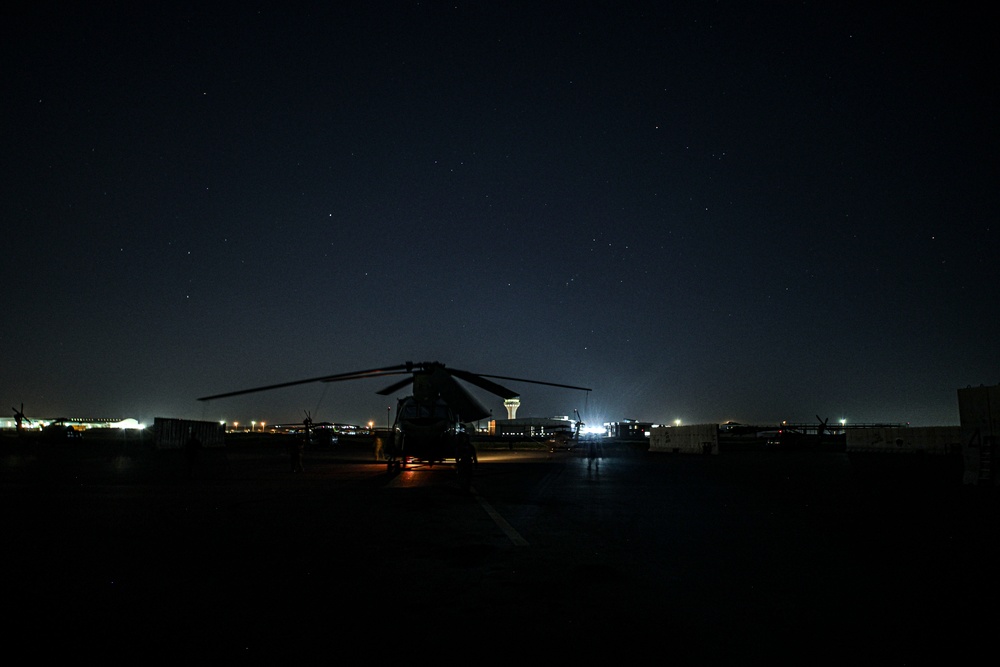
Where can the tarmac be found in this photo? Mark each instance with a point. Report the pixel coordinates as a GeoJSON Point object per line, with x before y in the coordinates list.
{"type": "Point", "coordinates": [121, 553]}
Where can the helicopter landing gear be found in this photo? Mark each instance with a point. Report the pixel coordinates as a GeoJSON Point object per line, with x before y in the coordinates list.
{"type": "Point", "coordinates": [396, 464]}
{"type": "Point", "coordinates": [395, 459]}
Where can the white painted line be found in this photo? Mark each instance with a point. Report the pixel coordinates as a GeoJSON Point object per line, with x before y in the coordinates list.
{"type": "Point", "coordinates": [508, 529]}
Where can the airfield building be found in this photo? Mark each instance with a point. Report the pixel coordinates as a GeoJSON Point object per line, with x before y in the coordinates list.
{"type": "Point", "coordinates": [531, 427]}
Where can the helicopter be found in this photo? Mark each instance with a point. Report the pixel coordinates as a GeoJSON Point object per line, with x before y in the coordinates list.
{"type": "Point", "coordinates": [19, 418]}
{"type": "Point", "coordinates": [434, 422]}
{"type": "Point", "coordinates": [567, 439]}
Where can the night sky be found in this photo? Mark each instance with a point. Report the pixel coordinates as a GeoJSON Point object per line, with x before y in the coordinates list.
{"type": "Point", "coordinates": [704, 211]}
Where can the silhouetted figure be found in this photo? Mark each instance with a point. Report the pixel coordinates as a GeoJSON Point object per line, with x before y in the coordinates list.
{"type": "Point", "coordinates": [466, 460]}
{"type": "Point", "coordinates": [594, 453]}
{"type": "Point", "coordinates": [299, 446]}
{"type": "Point", "coordinates": [379, 448]}
{"type": "Point", "coordinates": [192, 452]}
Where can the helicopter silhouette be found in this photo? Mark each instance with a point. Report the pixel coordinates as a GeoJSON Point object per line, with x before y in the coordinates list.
{"type": "Point", "coordinates": [567, 439]}
{"type": "Point", "coordinates": [822, 425]}
{"type": "Point", "coordinates": [433, 423]}
{"type": "Point", "coordinates": [19, 418]}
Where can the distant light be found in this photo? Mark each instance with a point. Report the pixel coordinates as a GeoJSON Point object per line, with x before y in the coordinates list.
{"type": "Point", "coordinates": [843, 421]}
{"type": "Point", "coordinates": [128, 424]}
{"type": "Point", "coordinates": [677, 422]}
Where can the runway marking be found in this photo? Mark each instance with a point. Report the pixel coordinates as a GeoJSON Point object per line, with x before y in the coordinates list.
{"type": "Point", "coordinates": [508, 529]}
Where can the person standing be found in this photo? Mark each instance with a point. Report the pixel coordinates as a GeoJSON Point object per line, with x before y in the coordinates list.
{"type": "Point", "coordinates": [299, 445]}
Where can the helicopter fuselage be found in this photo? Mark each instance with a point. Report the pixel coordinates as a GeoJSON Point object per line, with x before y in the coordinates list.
{"type": "Point", "coordinates": [427, 430]}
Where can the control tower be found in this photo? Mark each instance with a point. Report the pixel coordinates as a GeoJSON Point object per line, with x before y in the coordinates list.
{"type": "Point", "coordinates": [511, 404]}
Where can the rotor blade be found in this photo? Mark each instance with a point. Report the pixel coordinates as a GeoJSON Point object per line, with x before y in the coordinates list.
{"type": "Point", "coordinates": [265, 388]}
{"type": "Point", "coordinates": [362, 376]}
{"type": "Point", "coordinates": [371, 372]}
{"type": "Point", "coordinates": [323, 378]}
{"type": "Point", "coordinates": [465, 406]}
{"type": "Point", "coordinates": [483, 383]}
{"type": "Point", "coordinates": [551, 384]}
{"type": "Point", "coordinates": [395, 386]}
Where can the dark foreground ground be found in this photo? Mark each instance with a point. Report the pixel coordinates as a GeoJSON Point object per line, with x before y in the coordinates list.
{"type": "Point", "coordinates": [116, 552]}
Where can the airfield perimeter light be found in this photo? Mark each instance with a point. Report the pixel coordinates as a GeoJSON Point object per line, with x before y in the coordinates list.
{"type": "Point", "coordinates": [677, 422]}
